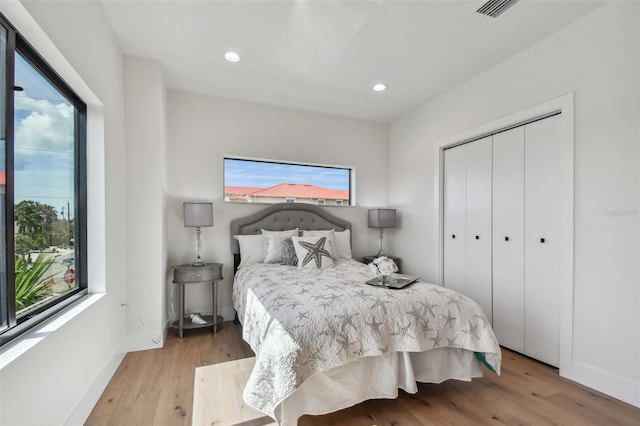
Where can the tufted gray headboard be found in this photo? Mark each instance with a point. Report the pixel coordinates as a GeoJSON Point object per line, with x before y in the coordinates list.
{"type": "Point", "coordinates": [283, 216]}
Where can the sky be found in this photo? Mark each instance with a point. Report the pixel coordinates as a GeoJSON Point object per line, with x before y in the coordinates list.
{"type": "Point", "coordinates": [260, 174]}
{"type": "Point", "coordinates": [44, 143]}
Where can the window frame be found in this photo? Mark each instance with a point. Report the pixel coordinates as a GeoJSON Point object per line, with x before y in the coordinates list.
{"type": "Point", "coordinates": [16, 43]}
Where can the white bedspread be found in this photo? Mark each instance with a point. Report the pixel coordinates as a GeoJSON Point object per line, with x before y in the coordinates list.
{"type": "Point", "coordinates": [300, 322]}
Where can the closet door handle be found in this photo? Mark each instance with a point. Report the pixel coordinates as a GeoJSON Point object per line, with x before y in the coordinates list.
{"type": "Point", "coordinates": [477, 237]}
{"type": "Point", "coordinates": [542, 240]}
{"type": "Point", "coordinates": [453, 235]}
{"type": "Point", "coordinates": [506, 238]}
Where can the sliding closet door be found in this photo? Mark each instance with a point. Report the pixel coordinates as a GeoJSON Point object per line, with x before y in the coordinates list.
{"type": "Point", "coordinates": [478, 196]}
{"type": "Point", "coordinates": [455, 218]}
{"type": "Point", "coordinates": [542, 239]}
{"type": "Point", "coordinates": [508, 238]}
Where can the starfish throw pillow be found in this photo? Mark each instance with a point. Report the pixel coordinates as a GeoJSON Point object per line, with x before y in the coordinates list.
{"type": "Point", "coordinates": [313, 252]}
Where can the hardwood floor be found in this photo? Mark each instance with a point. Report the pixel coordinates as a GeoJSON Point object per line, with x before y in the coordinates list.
{"type": "Point", "coordinates": [155, 387]}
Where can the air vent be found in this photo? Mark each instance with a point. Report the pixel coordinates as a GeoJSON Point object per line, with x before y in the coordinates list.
{"type": "Point", "coordinates": [495, 8]}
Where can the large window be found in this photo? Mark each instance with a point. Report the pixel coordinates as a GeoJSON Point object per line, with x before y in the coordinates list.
{"type": "Point", "coordinates": [266, 181]}
{"type": "Point", "coordinates": [42, 189]}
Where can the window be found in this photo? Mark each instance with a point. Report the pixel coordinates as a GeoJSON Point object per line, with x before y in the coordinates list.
{"type": "Point", "coordinates": [42, 189]}
{"type": "Point", "coordinates": [267, 181]}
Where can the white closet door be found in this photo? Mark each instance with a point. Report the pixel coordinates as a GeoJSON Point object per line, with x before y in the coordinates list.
{"type": "Point", "coordinates": [455, 218]}
{"type": "Point", "coordinates": [479, 159]}
{"type": "Point", "coordinates": [542, 240]}
{"type": "Point", "coordinates": [508, 238]}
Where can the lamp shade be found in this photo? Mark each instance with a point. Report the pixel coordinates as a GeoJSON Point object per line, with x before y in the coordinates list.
{"type": "Point", "coordinates": [198, 215]}
{"type": "Point", "coordinates": [382, 218]}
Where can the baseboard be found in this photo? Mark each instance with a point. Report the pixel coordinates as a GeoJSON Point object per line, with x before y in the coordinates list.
{"type": "Point", "coordinates": [615, 386]}
{"type": "Point", "coordinates": [91, 397]}
{"type": "Point", "coordinates": [144, 341]}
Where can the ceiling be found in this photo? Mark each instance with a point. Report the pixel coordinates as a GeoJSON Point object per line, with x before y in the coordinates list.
{"type": "Point", "coordinates": [325, 55]}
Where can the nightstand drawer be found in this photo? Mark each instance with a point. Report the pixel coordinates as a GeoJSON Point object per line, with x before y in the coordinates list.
{"type": "Point", "coordinates": [189, 273]}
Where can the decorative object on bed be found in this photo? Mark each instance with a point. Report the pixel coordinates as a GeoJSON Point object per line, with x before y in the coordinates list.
{"type": "Point", "coordinates": [289, 256]}
{"type": "Point", "coordinates": [330, 235]}
{"type": "Point", "coordinates": [383, 267]}
{"type": "Point", "coordinates": [343, 244]}
{"type": "Point", "coordinates": [274, 244]}
{"type": "Point", "coordinates": [382, 218]}
{"type": "Point", "coordinates": [313, 252]}
{"type": "Point", "coordinates": [251, 247]}
{"type": "Point", "coordinates": [395, 281]}
{"type": "Point", "coordinates": [197, 215]}
{"type": "Point", "coordinates": [315, 332]}
{"type": "Point", "coordinates": [340, 241]}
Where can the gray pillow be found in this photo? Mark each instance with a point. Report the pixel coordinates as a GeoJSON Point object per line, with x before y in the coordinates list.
{"type": "Point", "coordinates": [289, 253]}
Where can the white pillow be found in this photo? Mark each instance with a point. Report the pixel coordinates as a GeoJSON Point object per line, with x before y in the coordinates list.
{"type": "Point", "coordinates": [313, 252]}
{"type": "Point", "coordinates": [273, 244]}
{"type": "Point", "coordinates": [251, 249]}
{"type": "Point", "coordinates": [342, 244]}
{"type": "Point", "coordinates": [323, 233]}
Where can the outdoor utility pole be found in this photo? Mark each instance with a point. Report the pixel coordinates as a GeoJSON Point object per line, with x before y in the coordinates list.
{"type": "Point", "coordinates": [68, 221]}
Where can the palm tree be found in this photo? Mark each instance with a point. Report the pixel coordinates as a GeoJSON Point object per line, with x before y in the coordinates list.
{"type": "Point", "coordinates": [30, 287]}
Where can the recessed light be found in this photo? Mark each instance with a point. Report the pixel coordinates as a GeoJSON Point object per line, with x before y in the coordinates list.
{"type": "Point", "coordinates": [379, 87]}
{"type": "Point", "coordinates": [232, 56]}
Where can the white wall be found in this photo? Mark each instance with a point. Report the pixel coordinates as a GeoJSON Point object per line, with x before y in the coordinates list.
{"type": "Point", "coordinates": [52, 382]}
{"type": "Point", "coordinates": [598, 58]}
{"type": "Point", "coordinates": [202, 130]}
{"type": "Point", "coordinates": [146, 169]}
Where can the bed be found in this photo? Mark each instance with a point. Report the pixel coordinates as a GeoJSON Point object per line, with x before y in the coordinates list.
{"type": "Point", "coordinates": [324, 339]}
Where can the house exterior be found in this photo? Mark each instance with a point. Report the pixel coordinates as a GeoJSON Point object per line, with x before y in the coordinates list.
{"type": "Point", "coordinates": [288, 193]}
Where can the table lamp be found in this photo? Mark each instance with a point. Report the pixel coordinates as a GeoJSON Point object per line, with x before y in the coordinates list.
{"type": "Point", "coordinates": [382, 218]}
{"type": "Point", "coordinates": [197, 215]}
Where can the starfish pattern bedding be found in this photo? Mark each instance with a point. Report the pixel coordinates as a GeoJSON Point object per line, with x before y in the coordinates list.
{"type": "Point", "coordinates": [301, 321]}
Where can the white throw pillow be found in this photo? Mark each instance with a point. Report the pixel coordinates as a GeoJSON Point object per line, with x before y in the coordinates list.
{"type": "Point", "coordinates": [313, 252]}
{"type": "Point", "coordinates": [273, 244]}
{"type": "Point", "coordinates": [329, 233]}
{"type": "Point", "coordinates": [251, 249]}
{"type": "Point", "coordinates": [342, 246]}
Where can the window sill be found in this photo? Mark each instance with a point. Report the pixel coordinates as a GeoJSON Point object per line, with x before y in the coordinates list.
{"type": "Point", "coordinates": [22, 344]}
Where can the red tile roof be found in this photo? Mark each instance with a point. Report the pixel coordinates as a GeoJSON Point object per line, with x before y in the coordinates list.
{"type": "Point", "coordinates": [293, 190]}
{"type": "Point", "coordinates": [240, 190]}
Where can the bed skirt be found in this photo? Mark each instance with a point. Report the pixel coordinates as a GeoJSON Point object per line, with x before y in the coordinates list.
{"type": "Point", "coordinates": [376, 377]}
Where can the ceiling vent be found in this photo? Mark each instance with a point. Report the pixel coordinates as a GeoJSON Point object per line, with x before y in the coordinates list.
{"type": "Point", "coordinates": [495, 8]}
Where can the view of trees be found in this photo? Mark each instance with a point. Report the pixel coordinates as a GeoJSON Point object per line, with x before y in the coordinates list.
{"type": "Point", "coordinates": [39, 227]}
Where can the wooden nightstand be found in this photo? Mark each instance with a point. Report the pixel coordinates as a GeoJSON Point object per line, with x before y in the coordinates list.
{"type": "Point", "coordinates": [368, 259]}
{"type": "Point", "coordinates": [189, 274]}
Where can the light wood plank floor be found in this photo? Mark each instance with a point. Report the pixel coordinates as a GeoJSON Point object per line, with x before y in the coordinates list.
{"type": "Point", "coordinates": [155, 387]}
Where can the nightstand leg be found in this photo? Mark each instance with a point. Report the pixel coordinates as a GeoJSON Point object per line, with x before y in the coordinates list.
{"type": "Point", "coordinates": [181, 309]}
{"type": "Point", "coordinates": [214, 293]}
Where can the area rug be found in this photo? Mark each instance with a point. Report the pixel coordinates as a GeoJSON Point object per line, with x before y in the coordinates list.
{"type": "Point", "coordinates": [217, 396]}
